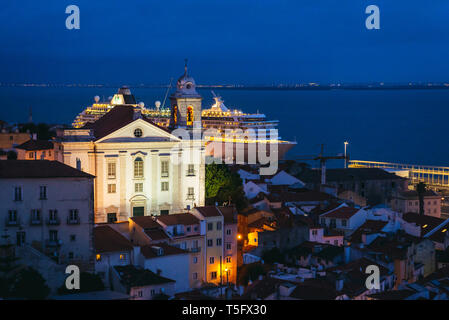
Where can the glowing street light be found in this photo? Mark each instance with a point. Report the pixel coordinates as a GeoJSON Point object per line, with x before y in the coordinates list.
{"type": "Point", "coordinates": [346, 159]}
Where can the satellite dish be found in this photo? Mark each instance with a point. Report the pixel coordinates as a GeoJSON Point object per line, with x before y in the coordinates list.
{"type": "Point", "coordinates": [157, 104]}
{"type": "Point", "coordinates": [97, 98]}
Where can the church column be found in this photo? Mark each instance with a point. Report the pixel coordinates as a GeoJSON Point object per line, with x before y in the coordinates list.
{"type": "Point", "coordinates": [123, 212]}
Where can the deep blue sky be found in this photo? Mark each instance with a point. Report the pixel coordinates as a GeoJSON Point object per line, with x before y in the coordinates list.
{"type": "Point", "coordinates": [229, 41]}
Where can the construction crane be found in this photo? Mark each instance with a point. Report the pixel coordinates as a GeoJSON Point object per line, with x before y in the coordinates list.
{"type": "Point", "coordinates": [322, 158]}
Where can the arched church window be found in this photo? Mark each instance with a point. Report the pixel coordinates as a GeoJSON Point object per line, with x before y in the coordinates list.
{"type": "Point", "coordinates": [175, 114]}
{"type": "Point", "coordinates": [138, 168]}
{"type": "Point", "coordinates": [189, 115]}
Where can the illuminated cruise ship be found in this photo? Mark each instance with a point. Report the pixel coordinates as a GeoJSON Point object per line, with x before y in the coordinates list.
{"type": "Point", "coordinates": [232, 125]}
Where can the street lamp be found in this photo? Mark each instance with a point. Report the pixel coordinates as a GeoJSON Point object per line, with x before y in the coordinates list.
{"type": "Point", "coordinates": [227, 276]}
{"type": "Point", "coordinates": [346, 159]}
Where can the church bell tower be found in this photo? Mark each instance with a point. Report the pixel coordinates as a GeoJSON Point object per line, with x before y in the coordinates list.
{"type": "Point", "coordinates": [185, 104]}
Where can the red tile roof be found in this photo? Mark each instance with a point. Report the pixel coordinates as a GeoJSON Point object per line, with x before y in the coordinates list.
{"type": "Point", "coordinates": [341, 213]}
{"type": "Point", "coordinates": [115, 119]}
{"type": "Point", "coordinates": [106, 239]}
{"type": "Point", "coordinates": [209, 211]}
{"type": "Point", "coordinates": [369, 227]}
{"type": "Point", "coordinates": [146, 222]}
{"type": "Point", "coordinates": [36, 145]}
{"type": "Point", "coordinates": [182, 218]}
{"type": "Point", "coordinates": [229, 214]}
{"type": "Point", "coordinates": [150, 251]}
{"type": "Point", "coordinates": [11, 169]}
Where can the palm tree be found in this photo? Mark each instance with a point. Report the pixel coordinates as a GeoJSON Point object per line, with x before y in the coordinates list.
{"type": "Point", "coordinates": [421, 189]}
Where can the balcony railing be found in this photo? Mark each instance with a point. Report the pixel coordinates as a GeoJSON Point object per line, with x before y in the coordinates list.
{"type": "Point", "coordinates": [35, 221]}
{"type": "Point", "coordinates": [53, 221]}
{"type": "Point", "coordinates": [164, 174]}
{"type": "Point", "coordinates": [73, 220]}
{"type": "Point", "coordinates": [12, 223]}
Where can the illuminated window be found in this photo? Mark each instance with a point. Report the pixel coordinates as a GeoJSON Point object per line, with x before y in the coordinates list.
{"type": "Point", "coordinates": [164, 169]}
{"type": "Point", "coordinates": [189, 115]}
{"type": "Point", "coordinates": [111, 170]}
{"type": "Point", "coordinates": [211, 260]}
{"type": "Point", "coordinates": [111, 188]}
{"type": "Point", "coordinates": [138, 187]}
{"type": "Point", "coordinates": [213, 275]}
{"type": "Point", "coordinates": [138, 168]}
{"type": "Point", "coordinates": [98, 257]}
{"type": "Point", "coordinates": [123, 257]}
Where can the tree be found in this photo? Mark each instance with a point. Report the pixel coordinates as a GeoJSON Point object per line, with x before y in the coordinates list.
{"type": "Point", "coordinates": [18, 282]}
{"type": "Point", "coordinates": [421, 189]}
{"type": "Point", "coordinates": [89, 282]}
{"type": "Point", "coordinates": [272, 256]}
{"type": "Point", "coordinates": [29, 284]}
{"type": "Point", "coordinates": [222, 186]}
{"type": "Point", "coordinates": [251, 272]}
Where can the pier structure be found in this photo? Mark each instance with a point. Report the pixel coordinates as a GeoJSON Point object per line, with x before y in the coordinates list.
{"type": "Point", "coordinates": [435, 177]}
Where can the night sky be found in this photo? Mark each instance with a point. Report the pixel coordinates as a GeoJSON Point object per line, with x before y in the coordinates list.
{"type": "Point", "coordinates": [232, 41]}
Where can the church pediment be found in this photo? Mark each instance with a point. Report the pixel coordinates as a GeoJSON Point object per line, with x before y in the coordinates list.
{"type": "Point", "coordinates": [139, 131]}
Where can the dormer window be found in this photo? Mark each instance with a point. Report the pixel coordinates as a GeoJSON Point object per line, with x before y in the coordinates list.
{"type": "Point", "coordinates": [138, 133]}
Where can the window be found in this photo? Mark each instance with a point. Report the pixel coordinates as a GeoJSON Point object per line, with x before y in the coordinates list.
{"type": "Point", "coordinates": [314, 232]}
{"type": "Point", "coordinates": [138, 133]}
{"type": "Point", "coordinates": [138, 187]}
{"type": "Point", "coordinates": [228, 232]}
{"type": "Point", "coordinates": [138, 168]}
{"type": "Point", "coordinates": [210, 226]}
{"type": "Point", "coordinates": [164, 212]}
{"type": "Point", "coordinates": [112, 217]}
{"type": "Point", "coordinates": [98, 257]}
{"type": "Point", "coordinates": [140, 293]}
{"type": "Point", "coordinates": [195, 260]}
{"type": "Point", "coordinates": [12, 216]}
{"type": "Point", "coordinates": [111, 170]}
{"type": "Point", "coordinates": [219, 242]}
{"type": "Point", "coordinates": [111, 188]}
{"type": "Point", "coordinates": [190, 193]}
{"type": "Point", "coordinates": [73, 237]}
{"type": "Point", "coordinates": [228, 259]}
{"type": "Point", "coordinates": [211, 260]}
{"type": "Point", "coordinates": [219, 225]}
{"type": "Point", "coordinates": [42, 193]}
{"type": "Point", "coordinates": [31, 155]}
{"type": "Point", "coordinates": [213, 275]}
{"type": "Point", "coordinates": [194, 275]}
{"type": "Point", "coordinates": [189, 120]}
{"type": "Point", "coordinates": [73, 216]}
{"type": "Point", "coordinates": [228, 246]}
{"type": "Point", "coordinates": [35, 216]}
{"type": "Point", "coordinates": [164, 169]}
{"type": "Point", "coordinates": [344, 223]}
{"type": "Point", "coordinates": [164, 186]}
{"type": "Point", "coordinates": [191, 170]}
{"type": "Point", "coordinates": [18, 194]}
{"type": "Point", "coordinates": [335, 242]}
{"type": "Point", "coordinates": [210, 243]}
{"type": "Point", "coordinates": [49, 153]}
{"type": "Point", "coordinates": [123, 257]}
{"type": "Point", "coordinates": [189, 229]}
{"type": "Point", "coordinates": [78, 163]}
{"type": "Point", "coordinates": [195, 228]}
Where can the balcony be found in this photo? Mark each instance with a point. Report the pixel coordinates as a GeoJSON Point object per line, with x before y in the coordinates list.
{"type": "Point", "coordinates": [190, 197]}
{"type": "Point", "coordinates": [53, 221]}
{"type": "Point", "coordinates": [12, 223]}
{"type": "Point", "coordinates": [164, 174]}
{"type": "Point", "coordinates": [194, 250]}
{"type": "Point", "coordinates": [75, 220]}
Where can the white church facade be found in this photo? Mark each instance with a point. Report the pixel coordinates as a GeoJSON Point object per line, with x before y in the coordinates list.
{"type": "Point", "coordinates": [139, 167]}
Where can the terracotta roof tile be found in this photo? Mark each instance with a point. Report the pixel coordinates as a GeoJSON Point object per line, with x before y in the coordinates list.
{"type": "Point", "coordinates": [174, 219]}
{"type": "Point", "coordinates": [36, 145]}
{"type": "Point", "coordinates": [10, 169]}
{"type": "Point", "coordinates": [209, 211]}
{"type": "Point", "coordinates": [106, 239]}
{"type": "Point", "coordinates": [150, 251]}
{"type": "Point", "coordinates": [341, 213]}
